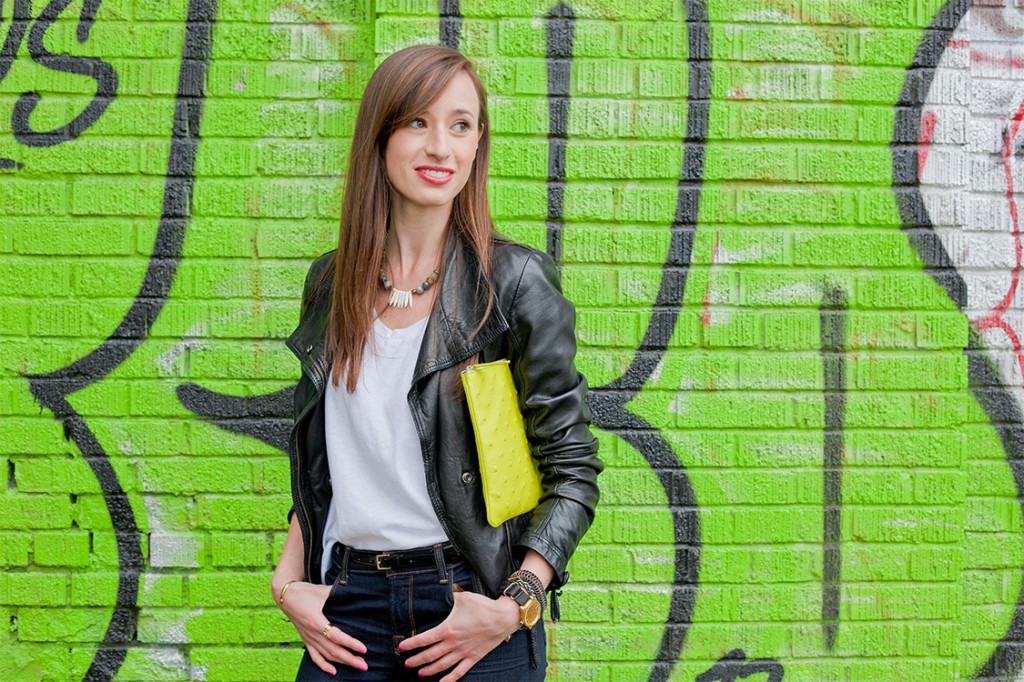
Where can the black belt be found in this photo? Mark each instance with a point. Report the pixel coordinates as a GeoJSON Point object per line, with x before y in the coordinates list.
{"type": "Point", "coordinates": [412, 558]}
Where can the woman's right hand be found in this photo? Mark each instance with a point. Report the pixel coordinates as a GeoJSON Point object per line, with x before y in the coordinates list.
{"type": "Point", "coordinates": [304, 604]}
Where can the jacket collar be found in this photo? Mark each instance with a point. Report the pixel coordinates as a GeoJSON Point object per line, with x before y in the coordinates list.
{"type": "Point", "coordinates": [448, 338]}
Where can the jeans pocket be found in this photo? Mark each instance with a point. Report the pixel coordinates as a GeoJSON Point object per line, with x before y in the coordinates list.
{"type": "Point", "coordinates": [337, 589]}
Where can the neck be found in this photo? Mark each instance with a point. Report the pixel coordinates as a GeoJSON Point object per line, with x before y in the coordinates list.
{"type": "Point", "coordinates": [415, 243]}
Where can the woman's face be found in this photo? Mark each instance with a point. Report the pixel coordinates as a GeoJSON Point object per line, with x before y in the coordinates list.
{"type": "Point", "coordinates": [429, 160]}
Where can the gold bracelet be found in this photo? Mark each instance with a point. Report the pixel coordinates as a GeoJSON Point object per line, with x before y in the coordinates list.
{"type": "Point", "coordinates": [280, 599]}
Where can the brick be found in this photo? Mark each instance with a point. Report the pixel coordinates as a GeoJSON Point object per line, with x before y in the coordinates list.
{"type": "Point", "coordinates": [34, 589]}
{"type": "Point", "coordinates": [138, 197]}
{"type": "Point", "coordinates": [156, 665]}
{"type": "Point", "coordinates": [259, 118]}
{"type": "Point", "coordinates": [589, 606]}
{"type": "Point", "coordinates": [34, 197]}
{"type": "Point", "coordinates": [112, 237]}
{"type": "Point", "coordinates": [918, 524]}
{"type": "Point", "coordinates": [188, 476]}
{"type": "Point", "coordinates": [776, 163]}
{"type": "Point", "coordinates": [241, 512]}
{"type": "Point", "coordinates": [55, 475]}
{"type": "Point", "coordinates": [244, 664]}
{"type": "Point", "coordinates": [65, 625]}
{"type": "Point", "coordinates": [238, 549]}
{"type": "Point", "coordinates": [211, 626]}
{"type": "Point", "coordinates": [169, 626]}
{"type": "Point", "coordinates": [161, 590]}
{"type": "Point", "coordinates": [877, 602]}
{"type": "Point", "coordinates": [229, 589]}
{"type": "Point", "coordinates": [173, 550]}
{"type": "Point", "coordinates": [394, 33]}
{"type": "Point", "coordinates": [268, 626]}
{"type": "Point", "coordinates": [14, 548]}
{"type": "Point", "coordinates": [26, 512]}
{"type": "Point", "coordinates": [94, 589]}
{"type": "Point", "coordinates": [61, 549]}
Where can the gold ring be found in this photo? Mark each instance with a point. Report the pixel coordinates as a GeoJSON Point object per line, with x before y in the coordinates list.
{"type": "Point", "coordinates": [326, 629]}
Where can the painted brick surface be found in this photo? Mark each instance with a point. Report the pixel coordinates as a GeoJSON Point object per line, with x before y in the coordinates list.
{"type": "Point", "coordinates": [791, 234]}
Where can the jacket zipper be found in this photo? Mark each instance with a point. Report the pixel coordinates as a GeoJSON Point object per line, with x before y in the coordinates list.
{"type": "Point", "coordinates": [434, 500]}
{"type": "Point", "coordinates": [304, 518]}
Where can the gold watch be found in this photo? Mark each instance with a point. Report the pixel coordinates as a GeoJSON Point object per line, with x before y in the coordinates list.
{"type": "Point", "coordinates": [529, 607]}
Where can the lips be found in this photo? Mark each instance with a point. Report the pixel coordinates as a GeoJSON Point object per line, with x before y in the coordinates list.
{"type": "Point", "coordinates": [435, 175]}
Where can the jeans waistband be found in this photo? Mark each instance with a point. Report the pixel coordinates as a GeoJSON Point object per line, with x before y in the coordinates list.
{"type": "Point", "coordinates": [434, 556]}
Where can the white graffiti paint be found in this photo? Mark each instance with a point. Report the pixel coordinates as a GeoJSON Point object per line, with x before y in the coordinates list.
{"type": "Point", "coordinates": [971, 174]}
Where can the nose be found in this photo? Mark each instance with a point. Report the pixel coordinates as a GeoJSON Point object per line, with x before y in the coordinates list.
{"type": "Point", "coordinates": [437, 143]}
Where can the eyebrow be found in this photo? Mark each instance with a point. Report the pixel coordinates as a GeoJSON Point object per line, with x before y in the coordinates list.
{"type": "Point", "coordinates": [464, 112]}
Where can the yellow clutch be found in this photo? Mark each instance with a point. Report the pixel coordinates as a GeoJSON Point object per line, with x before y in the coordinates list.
{"type": "Point", "coordinates": [508, 472]}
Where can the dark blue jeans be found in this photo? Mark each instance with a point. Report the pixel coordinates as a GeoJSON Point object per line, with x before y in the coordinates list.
{"type": "Point", "coordinates": [381, 608]}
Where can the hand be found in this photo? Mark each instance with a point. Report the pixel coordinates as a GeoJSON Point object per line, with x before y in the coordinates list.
{"type": "Point", "coordinates": [475, 626]}
{"type": "Point", "coordinates": [304, 604]}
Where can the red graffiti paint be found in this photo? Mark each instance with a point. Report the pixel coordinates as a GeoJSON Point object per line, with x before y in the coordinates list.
{"type": "Point", "coordinates": [705, 309]}
{"type": "Point", "coordinates": [995, 318]}
{"type": "Point", "coordinates": [979, 57]}
{"type": "Point", "coordinates": [928, 121]}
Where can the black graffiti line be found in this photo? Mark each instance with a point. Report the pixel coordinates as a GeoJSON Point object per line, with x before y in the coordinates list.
{"type": "Point", "coordinates": [735, 665]}
{"type": "Point", "coordinates": [267, 418]}
{"type": "Point", "coordinates": [102, 72]}
{"type": "Point", "coordinates": [561, 22]}
{"type": "Point", "coordinates": [608, 402]}
{"type": "Point", "coordinates": [52, 389]}
{"type": "Point", "coordinates": [832, 342]}
{"type": "Point", "coordinates": [983, 378]}
{"type": "Point", "coordinates": [451, 23]}
{"type": "Point", "coordinates": [21, 18]}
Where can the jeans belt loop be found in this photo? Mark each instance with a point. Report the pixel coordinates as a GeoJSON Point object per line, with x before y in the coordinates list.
{"type": "Point", "coordinates": [442, 567]}
{"type": "Point", "coordinates": [344, 567]}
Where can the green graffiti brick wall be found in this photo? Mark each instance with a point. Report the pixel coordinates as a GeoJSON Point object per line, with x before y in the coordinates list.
{"type": "Point", "coordinates": [789, 227]}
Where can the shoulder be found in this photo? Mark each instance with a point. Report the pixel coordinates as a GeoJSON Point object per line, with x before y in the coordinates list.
{"type": "Point", "coordinates": [317, 279]}
{"type": "Point", "coordinates": [514, 264]}
{"type": "Point", "coordinates": [320, 265]}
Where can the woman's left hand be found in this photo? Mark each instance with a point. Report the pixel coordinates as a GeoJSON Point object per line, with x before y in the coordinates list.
{"type": "Point", "coordinates": [475, 626]}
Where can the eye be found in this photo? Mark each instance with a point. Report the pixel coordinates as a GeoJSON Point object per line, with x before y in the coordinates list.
{"type": "Point", "coordinates": [462, 127]}
{"type": "Point", "coordinates": [417, 123]}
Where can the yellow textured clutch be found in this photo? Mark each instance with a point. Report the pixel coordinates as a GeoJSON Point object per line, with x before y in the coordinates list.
{"type": "Point", "coordinates": [508, 472]}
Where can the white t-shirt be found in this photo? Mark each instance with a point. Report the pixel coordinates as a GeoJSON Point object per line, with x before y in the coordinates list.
{"type": "Point", "coordinates": [373, 450]}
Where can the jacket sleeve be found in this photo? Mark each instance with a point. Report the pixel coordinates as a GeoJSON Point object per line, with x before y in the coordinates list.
{"type": "Point", "coordinates": [557, 420]}
{"type": "Point", "coordinates": [314, 272]}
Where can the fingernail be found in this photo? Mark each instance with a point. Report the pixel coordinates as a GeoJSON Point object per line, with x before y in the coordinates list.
{"type": "Point", "coordinates": [408, 665]}
{"type": "Point", "coordinates": [364, 667]}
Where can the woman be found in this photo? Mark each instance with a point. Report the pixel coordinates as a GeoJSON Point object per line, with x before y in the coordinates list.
{"type": "Point", "coordinates": [390, 568]}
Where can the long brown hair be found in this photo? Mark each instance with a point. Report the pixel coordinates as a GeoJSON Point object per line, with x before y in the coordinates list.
{"type": "Point", "coordinates": [402, 87]}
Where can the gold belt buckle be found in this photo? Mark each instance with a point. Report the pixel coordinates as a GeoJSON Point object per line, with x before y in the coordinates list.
{"type": "Point", "coordinates": [382, 555]}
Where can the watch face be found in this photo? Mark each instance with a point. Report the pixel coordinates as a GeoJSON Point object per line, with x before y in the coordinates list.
{"type": "Point", "coordinates": [530, 613]}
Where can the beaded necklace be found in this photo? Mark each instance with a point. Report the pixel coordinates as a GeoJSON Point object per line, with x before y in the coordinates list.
{"type": "Point", "coordinates": [403, 299]}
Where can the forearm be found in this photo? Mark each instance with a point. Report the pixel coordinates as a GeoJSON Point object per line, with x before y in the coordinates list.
{"type": "Point", "coordinates": [536, 564]}
{"type": "Point", "coordinates": [289, 566]}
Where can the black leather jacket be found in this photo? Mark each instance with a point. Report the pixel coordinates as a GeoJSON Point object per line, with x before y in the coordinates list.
{"type": "Point", "coordinates": [531, 324]}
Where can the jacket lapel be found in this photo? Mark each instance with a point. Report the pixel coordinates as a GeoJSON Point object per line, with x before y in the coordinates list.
{"type": "Point", "coordinates": [462, 303]}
